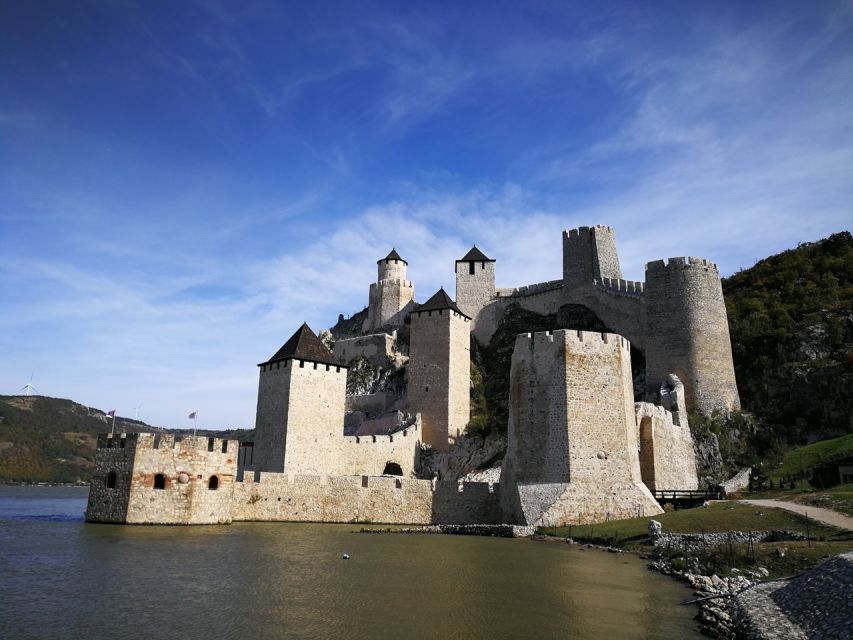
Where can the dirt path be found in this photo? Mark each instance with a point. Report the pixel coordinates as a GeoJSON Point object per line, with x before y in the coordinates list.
{"type": "Point", "coordinates": [827, 516]}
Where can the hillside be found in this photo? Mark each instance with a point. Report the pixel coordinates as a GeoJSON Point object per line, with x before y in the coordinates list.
{"type": "Point", "coordinates": [46, 439]}
{"type": "Point", "coordinates": [791, 323]}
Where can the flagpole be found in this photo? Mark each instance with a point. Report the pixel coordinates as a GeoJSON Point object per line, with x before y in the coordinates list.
{"type": "Point", "coordinates": [113, 430]}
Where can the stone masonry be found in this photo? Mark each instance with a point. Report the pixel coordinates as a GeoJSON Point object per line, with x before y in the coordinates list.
{"type": "Point", "coordinates": [391, 296]}
{"type": "Point", "coordinates": [572, 437]}
{"type": "Point", "coordinates": [440, 369]}
{"type": "Point", "coordinates": [677, 317]}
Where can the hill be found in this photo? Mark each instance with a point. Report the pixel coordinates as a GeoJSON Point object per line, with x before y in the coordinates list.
{"type": "Point", "coordinates": [46, 439]}
{"type": "Point", "coordinates": [791, 323]}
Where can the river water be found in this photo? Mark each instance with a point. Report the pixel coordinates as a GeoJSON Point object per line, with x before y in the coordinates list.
{"type": "Point", "coordinates": [63, 578]}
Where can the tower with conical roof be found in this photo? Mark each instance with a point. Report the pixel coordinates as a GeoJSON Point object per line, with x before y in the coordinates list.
{"type": "Point", "coordinates": [439, 371]}
{"type": "Point", "coordinates": [390, 295]}
{"type": "Point", "coordinates": [475, 282]}
{"type": "Point", "coordinates": [300, 412]}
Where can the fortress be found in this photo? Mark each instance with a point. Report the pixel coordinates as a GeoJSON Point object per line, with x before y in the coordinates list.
{"type": "Point", "coordinates": [579, 448]}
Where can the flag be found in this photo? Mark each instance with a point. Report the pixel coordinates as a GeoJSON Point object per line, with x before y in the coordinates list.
{"type": "Point", "coordinates": [111, 413]}
{"type": "Point", "coordinates": [192, 415]}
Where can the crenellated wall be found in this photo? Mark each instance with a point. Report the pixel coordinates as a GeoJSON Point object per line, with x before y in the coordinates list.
{"type": "Point", "coordinates": [388, 303]}
{"type": "Point", "coordinates": [162, 480]}
{"type": "Point", "coordinates": [365, 499]}
{"type": "Point", "coordinates": [572, 441]}
{"type": "Point", "coordinates": [370, 455]}
{"type": "Point", "coordinates": [589, 253]}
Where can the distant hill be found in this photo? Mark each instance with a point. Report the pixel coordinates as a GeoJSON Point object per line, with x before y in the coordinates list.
{"type": "Point", "coordinates": [791, 322]}
{"type": "Point", "coordinates": [46, 439]}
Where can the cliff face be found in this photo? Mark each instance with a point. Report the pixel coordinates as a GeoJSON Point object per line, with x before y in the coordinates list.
{"type": "Point", "coordinates": [791, 322]}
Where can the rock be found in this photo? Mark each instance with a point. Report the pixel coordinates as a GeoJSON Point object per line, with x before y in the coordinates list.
{"type": "Point", "coordinates": [655, 528]}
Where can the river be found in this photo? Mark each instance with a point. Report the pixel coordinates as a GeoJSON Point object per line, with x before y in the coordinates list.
{"type": "Point", "coordinates": [63, 578]}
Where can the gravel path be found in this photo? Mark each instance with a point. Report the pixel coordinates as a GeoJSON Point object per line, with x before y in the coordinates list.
{"type": "Point", "coordinates": [827, 516]}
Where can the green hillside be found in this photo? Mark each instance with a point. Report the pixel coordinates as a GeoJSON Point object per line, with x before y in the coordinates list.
{"type": "Point", "coordinates": [53, 440]}
{"type": "Point", "coordinates": [791, 322]}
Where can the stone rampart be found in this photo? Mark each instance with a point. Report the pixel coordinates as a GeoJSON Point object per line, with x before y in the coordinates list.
{"type": "Point", "coordinates": [620, 287]}
{"type": "Point", "coordinates": [364, 499]}
{"type": "Point", "coordinates": [667, 458]}
{"type": "Point", "coordinates": [151, 479]}
{"type": "Point", "coordinates": [372, 455]}
{"type": "Point", "coordinates": [376, 348]}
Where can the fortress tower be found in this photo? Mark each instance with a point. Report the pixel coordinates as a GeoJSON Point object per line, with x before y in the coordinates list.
{"type": "Point", "coordinates": [440, 369]}
{"type": "Point", "coordinates": [572, 437]}
{"type": "Point", "coordinates": [687, 333]}
{"type": "Point", "coordinates": [589, 254]}
{"type": "Point", "coordinates": [390, 295]}
{"type": "Point", "coordinates": [300, 416]}
{"type": "Point", "coordinates": [147, 478]}
{"type": "Point", "coordinates": [475, 282]}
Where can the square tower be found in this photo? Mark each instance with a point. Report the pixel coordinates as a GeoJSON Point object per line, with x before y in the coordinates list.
{"type": "Point", "coordinates": [475, 282]}
{"type": "Point", "coordinates": [440, 369]}
{"type": "Point", "coordinates": [300, 417]}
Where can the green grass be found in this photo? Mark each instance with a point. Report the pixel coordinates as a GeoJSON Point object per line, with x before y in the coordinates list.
{"type": "Point", "coordinates": [719, 517]}
{"type": "Point", "coordinates": [812, 455]}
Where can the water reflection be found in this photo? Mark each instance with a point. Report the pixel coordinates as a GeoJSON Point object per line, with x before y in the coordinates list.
{"type": "Point", "coordinates": [69, 579]}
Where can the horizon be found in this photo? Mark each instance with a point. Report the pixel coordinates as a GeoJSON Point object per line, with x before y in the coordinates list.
{"type": "Point", "coordinates": [181, 189]}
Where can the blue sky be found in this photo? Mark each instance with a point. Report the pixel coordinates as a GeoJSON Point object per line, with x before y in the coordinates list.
{"type": "Point", "coordinates": [183, 183]}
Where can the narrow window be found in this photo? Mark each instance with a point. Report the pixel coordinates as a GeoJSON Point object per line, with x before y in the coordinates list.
{"type": "Point", "coordinates": [121, 443]}
{"type": "Point", "coordinates": [210, 444]}
{"type": "Point", "coordinates": [159, 481]}
{"type": "Point", "coordinates": [111, 480]}
{"type": "Point", "coordinates": [224, 446]}
{"type": "Point", "coordinates": [213, 483]}
{"type": "Point", "coordinates": [302, 364]}
{"type": "Point", "coordinates": [426, 389]}
{"type": "Point", "coordinates": [471, 268]}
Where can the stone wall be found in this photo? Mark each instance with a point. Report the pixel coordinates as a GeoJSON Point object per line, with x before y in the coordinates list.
{"type": "Point", "coordinates": [688, 333]}
{"type": "Point", "coordinates": [370, 455]}
{"type": "Point", "coordinates": [161, 480]}
{"type": "Point", "coordinates": [440, 373]}
{"type": "Point", "coordinates": [376, 348]}
{"type": "Point", "coordinates": [667, 459]}
{"type": "Point", "coordinates": [572, 438]}
{"type": "Point", "coordinates": [365, 499]}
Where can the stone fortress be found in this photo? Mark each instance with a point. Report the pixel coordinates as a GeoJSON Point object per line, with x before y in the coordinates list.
{"type": "Point", "coordinates": [579, 448]}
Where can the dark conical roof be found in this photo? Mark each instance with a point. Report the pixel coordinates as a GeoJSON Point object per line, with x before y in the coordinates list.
{"type": "Point", "coordinates": [475, 255]}
{"type": "Point", "coordinates": [393, 256]}
{"type": "Point", "coordinates": [440, 300]}
{"type": "Point", "coordinates": [304, 345]}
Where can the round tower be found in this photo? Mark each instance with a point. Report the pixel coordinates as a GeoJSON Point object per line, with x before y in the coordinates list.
{"type": "Point", "coordinates": [392, 267]}
{"type": "Point", "coordinates": [390, 295]}
{"type": "Point", "coordinates": [687, 333]}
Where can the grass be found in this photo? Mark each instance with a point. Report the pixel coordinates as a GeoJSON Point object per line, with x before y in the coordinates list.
{"type": "Point", "coordinates": [721, 517]}
{"type": "Point", "coordinates": [812, 455]}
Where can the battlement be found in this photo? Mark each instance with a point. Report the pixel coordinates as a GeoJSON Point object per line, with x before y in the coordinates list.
{"type": "Point", "coordinates": [384, 482]}
{"type": "Point", "coordinates": [530, 290]}
{"type": "Point", "coordinates": [299, 363]}
{"type": "Point", "coordinates": [619, 286]}
{"type": "Point", "coordinates": [663, 266]}
{"type": "Point", "coordinates": [542, 339]}
{"type": "Point", "coordinates": [413, 432]}
{"type": "Point", "coordinates": [579, 231]}
{"type": "Point", "coordinates": [391, 281]}
{"type": "Point", "coordinates": [165, 441]}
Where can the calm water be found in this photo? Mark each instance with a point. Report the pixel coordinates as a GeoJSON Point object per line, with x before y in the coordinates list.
{"type": "Point", "coordinates": [62, 578]}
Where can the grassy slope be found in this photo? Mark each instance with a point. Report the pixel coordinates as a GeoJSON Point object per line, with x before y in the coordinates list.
{"type": "Point", "coordinates": [721, 517]}
{"type": "Point", "coordinates": [812, 455]}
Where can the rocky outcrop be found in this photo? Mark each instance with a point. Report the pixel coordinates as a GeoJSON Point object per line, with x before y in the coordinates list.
{"type": "Point", "coordinates": [471, 453]}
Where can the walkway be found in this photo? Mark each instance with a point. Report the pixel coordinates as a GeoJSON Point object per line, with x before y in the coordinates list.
{"type": "Point", "coordinates": [826, 516]}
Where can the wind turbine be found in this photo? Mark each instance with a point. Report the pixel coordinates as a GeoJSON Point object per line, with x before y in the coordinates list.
{"type": "Point", "coordinates": [136, 412]}
{"type": "Point", "coordinates": [29, 388]}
